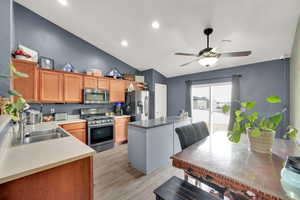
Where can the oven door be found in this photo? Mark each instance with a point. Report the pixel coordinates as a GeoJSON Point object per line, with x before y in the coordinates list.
{"type": "Point", "coordinates": [93, 96]}
{"type": "Point", "coordinates": [99, 135]}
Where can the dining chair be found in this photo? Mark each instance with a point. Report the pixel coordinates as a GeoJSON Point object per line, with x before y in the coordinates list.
{"type": "Point", "coordinates": [189, 135]}
{"type": "Point", "coordinates": [192, 133]}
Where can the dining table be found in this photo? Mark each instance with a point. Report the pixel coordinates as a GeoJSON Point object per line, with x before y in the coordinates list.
{"type": "Point", "coordinates": [236, 168]}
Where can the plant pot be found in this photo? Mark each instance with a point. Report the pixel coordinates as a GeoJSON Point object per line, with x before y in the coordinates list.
{"type": "Point", "coordinates": [262, 143]}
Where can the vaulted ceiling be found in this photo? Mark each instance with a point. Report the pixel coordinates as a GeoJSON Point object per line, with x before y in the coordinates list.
{"type": "Point", "coordinates": [266, 27]}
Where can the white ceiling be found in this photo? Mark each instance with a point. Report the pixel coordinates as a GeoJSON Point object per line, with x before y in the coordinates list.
{"type": "Point", "coordinates": [266, 27]}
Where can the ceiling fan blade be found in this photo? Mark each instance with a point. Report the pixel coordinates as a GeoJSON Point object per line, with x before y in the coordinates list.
{"type": "Point", "coordinates": [189, 63]}
{"type": "Point", "coordinates": [185, 54]}
{"type": "Point", "coordinates": [236, 54]}
{"type": "Point", "coordinates": [221, 46]}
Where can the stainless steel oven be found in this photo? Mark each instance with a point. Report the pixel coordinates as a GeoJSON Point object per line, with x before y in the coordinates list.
{"type": "Point", "coordinates": [95, 96]}
{"type": "Point", "coordinates": [101, 133]}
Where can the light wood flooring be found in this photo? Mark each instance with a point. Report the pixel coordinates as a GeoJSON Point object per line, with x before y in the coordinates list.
{"type": "Point", "coordinates": [115, 179]}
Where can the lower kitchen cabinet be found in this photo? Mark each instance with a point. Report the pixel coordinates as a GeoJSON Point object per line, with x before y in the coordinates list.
{"type": "Point", "coordinates": [121, 129]}
{"type": "Point", "coordinates": [73, 181]}
{"type": "Point", "coordinates": [78, 130]}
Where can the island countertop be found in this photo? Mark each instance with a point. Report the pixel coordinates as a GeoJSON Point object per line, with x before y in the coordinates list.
{"type": "Point", "coordinates": [23, 160]}
{"type": "Point", "coordinates": [152, 123]}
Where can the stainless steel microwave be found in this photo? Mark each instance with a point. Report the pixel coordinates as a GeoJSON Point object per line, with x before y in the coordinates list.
{"type": "Point", "coordinates": [95, 96]}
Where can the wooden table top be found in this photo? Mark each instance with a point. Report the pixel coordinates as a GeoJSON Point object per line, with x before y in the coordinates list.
{"type": "Point", "coordinates": [261, 172]}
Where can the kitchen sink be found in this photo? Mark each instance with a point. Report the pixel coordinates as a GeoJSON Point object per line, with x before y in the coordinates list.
{"type": "Point", "coordinates": [38, 136]}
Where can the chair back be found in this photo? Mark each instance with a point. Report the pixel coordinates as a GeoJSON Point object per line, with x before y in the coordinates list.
{"type": "Point", "coordinates": [192, 133]}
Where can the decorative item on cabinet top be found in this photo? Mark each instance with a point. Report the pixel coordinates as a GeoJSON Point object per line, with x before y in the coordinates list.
{"type": "Point", "coordinates": [25, 53]}
{"type": "Point", "coordinates": [46, 63]}
{"type": "Point", "coordinates": [114, 73]}
{"type": "Point", "coordinates": [94, 72]}
{"type": "Point", "coordinates": [69, 68]}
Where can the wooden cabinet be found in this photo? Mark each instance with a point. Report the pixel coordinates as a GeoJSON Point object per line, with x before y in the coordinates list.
{"type": "Point", "coordinates": [121, 129]}
{"type": "Point", "coordinates": [73, 180]}
{"type": "Point", "coordinates": [73, 85]}
{"type": "Point", "coordinates": [117, 91]}
{"type": "Point", "coordinates": [90, 82]}
{"type": "Point", "coordinates": [78, 130]}
{"type": "Point", "coordinates": [28, 87]}
{"type": "Point", "coordinates": [51, 86]}
{"type": "Point", "coordinates": [103, 83]}
{"type": "Point", "coordinates": [135, 85]}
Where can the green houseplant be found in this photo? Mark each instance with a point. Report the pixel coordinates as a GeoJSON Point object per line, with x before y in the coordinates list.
{"type": "Point", "coordinates": [260, 129]}
{"type": "Point", "coordinates": [18, 103]}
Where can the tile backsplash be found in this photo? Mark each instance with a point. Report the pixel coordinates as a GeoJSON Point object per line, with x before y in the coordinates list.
{"type": "Point", "coordinates": [71, 109]}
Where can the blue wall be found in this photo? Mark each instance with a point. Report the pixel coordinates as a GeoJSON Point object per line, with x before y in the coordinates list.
{"type": "Point", "coordinates": [6, 40]}
{"type": "Point", "coordinates": [151, 77]}
{"type": "Point", "coordinates": [258, 81]}
{"type": "Point", "coordinates": [54, 42]}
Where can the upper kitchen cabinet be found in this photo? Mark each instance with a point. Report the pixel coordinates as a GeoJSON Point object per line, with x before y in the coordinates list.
{"type": "Point", "coordinates": [103, 83]}
{"type": "Point", "coordinates": [136, 85]}
{"type": "Point", "coordinates": [117, 91]}
{"type": "Point", "coordinates": [73, 85]}
{"type": "Point", "coordinates": [28, 87]}
{"type": "Point", "coordinates": [90, 82]}
{"type": "Point", "coordinates": [51, 86]}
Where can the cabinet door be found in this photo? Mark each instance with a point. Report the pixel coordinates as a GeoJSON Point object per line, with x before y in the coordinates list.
{"type": "Point", "coordinates": [72, 88]}
{"type": "Point", "coordinates": [28, 87]}
{"type": "Point", "coordinates": [78, 130]}
{"type": "Point", "coordinates": [80, 134]}
{"type": "Point", "coordinates": [90, 82]}
{"type": "Point", "coordinates": [121, 129]}
{"type": "Point", "coordinates": [120, 133]}
{"type": "Point", "coordinates": [51, 86]}
{"type": "Point", "coordinates": [103, 84]}
{"type": "Point", "coordinates": [117, 91]}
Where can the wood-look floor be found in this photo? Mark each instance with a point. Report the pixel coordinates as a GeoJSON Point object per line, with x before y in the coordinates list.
{"type": "Point", "coordinates": [115, 179]}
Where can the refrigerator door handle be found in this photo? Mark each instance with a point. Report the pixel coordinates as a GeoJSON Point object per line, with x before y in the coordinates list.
{"type": "Point", "coordinates": [146, 106]}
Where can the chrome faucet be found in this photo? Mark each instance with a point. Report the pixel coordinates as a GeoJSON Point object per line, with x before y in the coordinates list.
{"type": "Point", "coordinates": [22, 123]}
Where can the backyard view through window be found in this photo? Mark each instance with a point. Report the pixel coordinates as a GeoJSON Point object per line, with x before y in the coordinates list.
{"type": "Point", "coordinates": [211, 104]}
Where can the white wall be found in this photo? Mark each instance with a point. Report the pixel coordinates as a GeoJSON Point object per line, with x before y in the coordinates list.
{"type": "Point", "coordinates": [295, 82]}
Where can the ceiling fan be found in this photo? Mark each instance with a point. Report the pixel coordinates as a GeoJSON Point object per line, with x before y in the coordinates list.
{"type": "Point", "coordinates": [208, 56]}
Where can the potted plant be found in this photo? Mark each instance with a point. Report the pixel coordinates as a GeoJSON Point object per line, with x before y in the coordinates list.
{"type": "Point", "coordinates": [260, 129]}
{"type": "Point", "coordinates": [17, 104]}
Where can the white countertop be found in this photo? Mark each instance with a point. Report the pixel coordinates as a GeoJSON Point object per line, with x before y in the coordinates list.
{"type": "Point", "coordinates": [23, 160]}
{"type": "Point", "coordinates": [121, 116]}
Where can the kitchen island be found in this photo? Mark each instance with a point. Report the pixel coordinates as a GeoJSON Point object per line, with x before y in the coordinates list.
{"type": "Point", "coordinates": [151, 143]}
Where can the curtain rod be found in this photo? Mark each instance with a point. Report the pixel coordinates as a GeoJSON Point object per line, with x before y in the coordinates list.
{"type": "Point", "coordinates": [208, 79]}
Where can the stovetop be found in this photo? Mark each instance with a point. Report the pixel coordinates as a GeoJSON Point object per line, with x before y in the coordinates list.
{"type": "Point", "coordinates": [96, 117]}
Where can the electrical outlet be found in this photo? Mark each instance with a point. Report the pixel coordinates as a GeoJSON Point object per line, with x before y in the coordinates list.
{"type": "Point", "coordinates": [52, 110]}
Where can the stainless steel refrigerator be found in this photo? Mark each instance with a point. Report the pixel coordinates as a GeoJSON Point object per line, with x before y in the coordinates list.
{"type": "Point", "coordinates": [137, 105]}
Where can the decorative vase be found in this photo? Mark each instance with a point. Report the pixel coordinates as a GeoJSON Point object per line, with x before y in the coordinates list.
{"type": "Point", "coordinates": [262, 143]}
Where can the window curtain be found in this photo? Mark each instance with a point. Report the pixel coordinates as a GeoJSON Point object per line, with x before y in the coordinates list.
{"type": "Point", "coordinates": [188, 94]}
{"type": "Point", "coordinates": [235, 99]}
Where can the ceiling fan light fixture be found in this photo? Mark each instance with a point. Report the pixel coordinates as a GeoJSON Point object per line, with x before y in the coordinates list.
{"type": "Point", "coordinates": [208, 61]}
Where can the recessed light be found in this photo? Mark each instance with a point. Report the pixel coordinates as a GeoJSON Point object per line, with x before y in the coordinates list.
{"type": "Point", "coordinates": [63, 2]}
{"type": "Point", "coordinates": [155, 25]}
{"type": "Point", "coordinates": [124, 43]}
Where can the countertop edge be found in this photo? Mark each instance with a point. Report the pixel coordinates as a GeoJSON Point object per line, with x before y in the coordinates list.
{"type": "Point", "coordinates": [171, 120]}
{"type": "Point", "coordinates": [149, 127]}
{"type": "Point", "coordinates": [44, 168]}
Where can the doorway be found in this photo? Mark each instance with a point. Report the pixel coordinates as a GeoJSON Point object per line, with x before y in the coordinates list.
{"type": "Point", "coordinates": [160, 102]}
{"type": "Point", "coordinates": [211, 104]}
